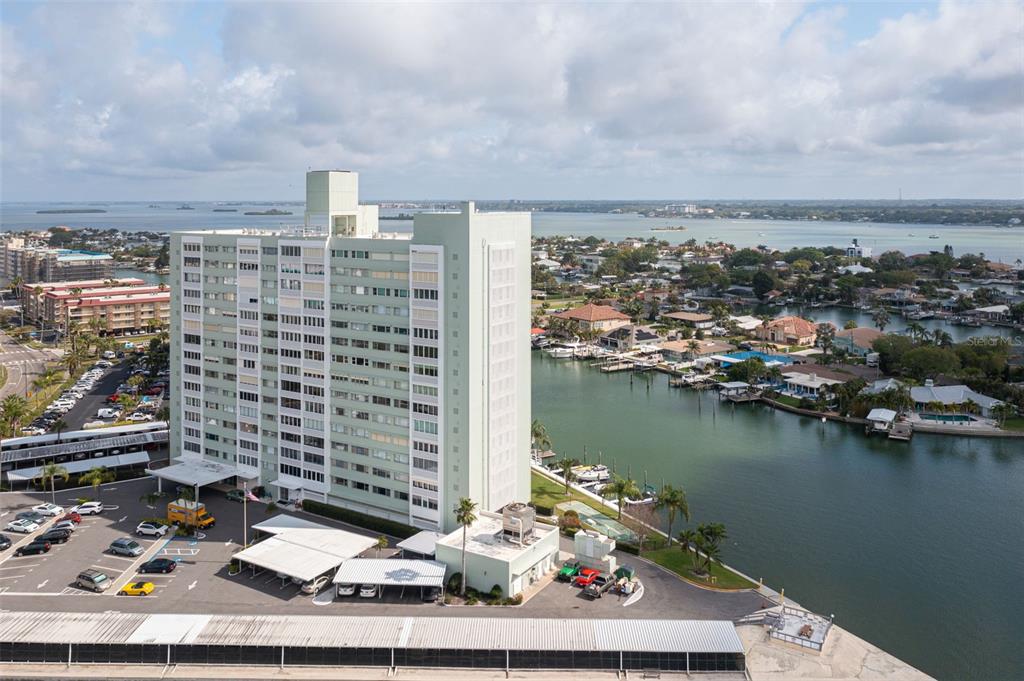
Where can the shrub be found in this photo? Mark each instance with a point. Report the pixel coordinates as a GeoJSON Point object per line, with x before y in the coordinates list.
{"type": "Point", "coordinates": [514, 600]}
{"type": "Point", "coordinates": [455, 582]}
{"type": "Point", "coordinates": [369, 522]}
{"type": "Point", "coordinates": [543, 509]}
{"type": "Point", "coordinates": [495, 591]}
{"type": "Point", "coordinates": [471, 600]}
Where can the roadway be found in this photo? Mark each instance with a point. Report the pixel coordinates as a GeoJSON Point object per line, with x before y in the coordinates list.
{"type": "Point", "coordinates": [85, 409]}
{"type": "Point", "coordinates": [23, 365]}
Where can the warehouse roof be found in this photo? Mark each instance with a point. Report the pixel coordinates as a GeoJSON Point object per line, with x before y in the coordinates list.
{"type": "Point", "coordinates": [468, 633]}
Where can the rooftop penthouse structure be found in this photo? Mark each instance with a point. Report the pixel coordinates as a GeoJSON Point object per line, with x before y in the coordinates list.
{"type": "Point", "coordinates": [388, 373]}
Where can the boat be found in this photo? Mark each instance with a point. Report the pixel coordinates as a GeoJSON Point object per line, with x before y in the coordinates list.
{"type": "Point", "coordinates": [911, 234]}
{"type": "Point", "coordinates": [564, 349]}
{"type": "Point", "coordinates": [650, 495]}
{"type": "Point", "coordinates": [933, 236]}
{"type": "Point", "coordinates": [185, 206]}
{"type": "Point", "coordinates": [596, 473]}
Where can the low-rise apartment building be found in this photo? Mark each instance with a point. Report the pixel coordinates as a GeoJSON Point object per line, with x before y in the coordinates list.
{"type": "Point", "coordinates": [119, 304]}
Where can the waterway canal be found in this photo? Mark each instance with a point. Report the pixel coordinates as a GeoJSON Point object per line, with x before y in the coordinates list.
{"type": "Point", "coordinates": [916, 547]}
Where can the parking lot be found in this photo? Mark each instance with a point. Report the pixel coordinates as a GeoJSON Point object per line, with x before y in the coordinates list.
{"type": "Point", "coordinates": [201, 582]}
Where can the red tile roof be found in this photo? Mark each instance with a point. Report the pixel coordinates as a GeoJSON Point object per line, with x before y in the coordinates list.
{"type": "Point", "coordinates": [592, 313]}
{"type": "Point", "coordinates": [796, 327]}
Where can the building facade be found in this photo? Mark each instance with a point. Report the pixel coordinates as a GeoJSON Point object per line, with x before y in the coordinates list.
{"type": "Point", "coordinates": [30, 264]}
{"type": "Point", "coordinates": [111, 306]}
{"type": "Point", "coordinates": [388, 373]}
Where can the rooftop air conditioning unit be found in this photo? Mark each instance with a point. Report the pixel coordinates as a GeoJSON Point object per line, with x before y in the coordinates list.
{"type": "Point", "coordinates": [517, 522]}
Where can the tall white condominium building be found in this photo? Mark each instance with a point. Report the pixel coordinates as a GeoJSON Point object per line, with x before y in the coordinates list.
{"type": "Point", "coordinates": [387, 373]}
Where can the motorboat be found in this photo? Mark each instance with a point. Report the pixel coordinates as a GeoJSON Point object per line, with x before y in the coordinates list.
{"type": "Point", "coordinates": [595, 473]}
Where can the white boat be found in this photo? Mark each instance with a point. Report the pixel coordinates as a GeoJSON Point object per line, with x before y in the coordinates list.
{"type": "Point", "coordinates": [596, 473]}
{"type": "Point", "coordinates": [933, 236]}
{"type": "Point", "coordinates": [564, 349]}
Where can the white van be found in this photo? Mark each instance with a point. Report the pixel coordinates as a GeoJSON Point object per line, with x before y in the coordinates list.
{"type": "Point", "coordinates": [109, 354]}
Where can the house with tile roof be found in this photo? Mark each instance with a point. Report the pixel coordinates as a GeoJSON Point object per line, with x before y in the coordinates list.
{"type": "Point", "coordinates": [592, 317]}
{"type": "Point", "coordinates": [789, 330]}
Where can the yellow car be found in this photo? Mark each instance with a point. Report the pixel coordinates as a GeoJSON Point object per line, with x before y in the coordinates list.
{"type": "Point", "coordinates": [137, 589]}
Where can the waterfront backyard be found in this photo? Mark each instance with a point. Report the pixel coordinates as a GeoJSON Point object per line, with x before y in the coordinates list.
{"type": "Point", "coordinates": [848, 525]}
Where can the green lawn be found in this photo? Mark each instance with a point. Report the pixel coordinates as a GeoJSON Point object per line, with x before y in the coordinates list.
{"type": "Point", "coordinates": [1015, 423]}
{"type": "Point", "coordinates": [788, 400]}
{"type": "Point", "coordinates": [681, 563]}
{"type": "Point", "coordinates": [546, 492]}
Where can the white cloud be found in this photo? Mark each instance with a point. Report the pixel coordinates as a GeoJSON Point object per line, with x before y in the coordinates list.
{"type": "Point", "coordinates": [496, 99]}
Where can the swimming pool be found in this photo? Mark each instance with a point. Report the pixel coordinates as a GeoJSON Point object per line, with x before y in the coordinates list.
{"type": "Point", "coordinates": [948, 418]}
{"type": "Point", "coordinates": [763, 356]}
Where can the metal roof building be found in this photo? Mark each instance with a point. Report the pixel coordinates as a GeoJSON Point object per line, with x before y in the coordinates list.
{"type": "Point", "coordinates": [391, 572]}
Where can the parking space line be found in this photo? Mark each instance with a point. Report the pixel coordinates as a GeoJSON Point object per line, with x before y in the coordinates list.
{"type": "Point", "coordinates": [130, 560]}
{"type": "Point", "coordinates": [20, 566]}
{"type": "Point", "coordinates": [13, 577]}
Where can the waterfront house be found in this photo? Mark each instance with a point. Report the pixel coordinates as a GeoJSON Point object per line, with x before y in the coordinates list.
{"type": "Point", "coordinates": [549, 265]}
{"type": "Point", "coordinates": [599, 318]}
{"type": "Point", "coordinates": [992, 313]}
{"type": "Point", "coordinates": [855, 250]}
{"type": "Point", "coordinates": [628, 337]}
{"type": "Point", "coordinates": [590, 263]}
{"type": "Point", "coordinates": [746, 322]}
{"type": "Point", "coordinates": [855, 269]}
{"type": "Point", "coordinates": [857, 341]}
{"type": "Point", "coordinates": [679, 350]}
{"type": "Point", "coordinates": [789, 330]}
{"type": "Point", "coordinates": [694, 320]}
{"type": "Point", "coordinates": [810, 385]}
{"type": "Point", "coordinates": [953, 398]}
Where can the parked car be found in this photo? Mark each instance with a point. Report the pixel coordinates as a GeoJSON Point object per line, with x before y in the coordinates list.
{"type": "Point", "coordinates": [93, 580]}
{"type": "Point", "coordinates": [48, 509]}
{"type": "Point", "coordinates": [430, 594]}
{"type": "Point", "coordinates": [151, 529]}
{"type": "Point", "coordinates": [137, 589]}
{"type": "Point", "coordinates": [88, 508]}
{"type": "Point", "coordinates": [601, 584]}
{"type": "Point", "coordinates": [138, 417]}
{"type": "Point", "coordinates": [235, 495]}
{"type": "Point", "coordinates": [346, 589]}
{"type": "Point", "coordinates": [109, 354]}
{"type": "Point", "coordinates": [5, 542]}
{"type": "Point", "coordinates": [585, 577]}
{"type": "Point", "coordinates": [368, 591]}
{"type": "Point", "coordinates": [570, 569]}
{"type": "Point", "coordinates": [163, 565]}
{"type": "Point", "coordinates": [72, 516]}
{"type": "Point", "coordinates": [68, 525]}
{"type": "Point", "coordinates": [108, 413]}
{"type": "Point", "coordinates": [126, 546]}
{"type": "Point", "coordinates": [55, 536]}
{"type": "Point", "coordinates": [34, 516]}
{"type": "Point", "coordinates": [22, 525]}
{"type": "Point", "coordinates": [36, 546]}
{"type": "Point", "coordinates": [313, 586]}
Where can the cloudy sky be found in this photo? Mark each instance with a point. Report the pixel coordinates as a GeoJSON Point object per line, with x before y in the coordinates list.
{"type": "Point", "coordinates": [199, 101]}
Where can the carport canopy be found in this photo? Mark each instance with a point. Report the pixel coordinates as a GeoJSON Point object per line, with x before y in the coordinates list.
{"type": "Point", "coordinates": [131, 459]}
{"type": "Point", "coordinates": [391, 572]}
{"type": "Point", "coordinates": [424, 543]}
{"type": "Point", "coordinates": [305, 551]}
{"type": "Point", "coordinates": [192, 471]}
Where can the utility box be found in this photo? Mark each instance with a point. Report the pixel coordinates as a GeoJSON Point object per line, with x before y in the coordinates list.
{"type": "Point", "coordinates": [593, 550]}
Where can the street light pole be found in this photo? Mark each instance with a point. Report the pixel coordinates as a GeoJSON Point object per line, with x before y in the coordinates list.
{"type": "Point", "coordinates": [245, 514]}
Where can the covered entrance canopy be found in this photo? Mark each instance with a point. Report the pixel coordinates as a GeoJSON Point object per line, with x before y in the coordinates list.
{"type": "Point", "coordinates": [391, 572]}
{"type": "Point", "coordinates": [422, 543]}
{"type": "Point", "coordinates": [195, 472]}
{"type": "Point", "coordinates": [302, 549]}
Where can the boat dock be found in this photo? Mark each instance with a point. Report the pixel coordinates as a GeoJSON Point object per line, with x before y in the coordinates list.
{"type": "Point", "coordinates": [902, 431]}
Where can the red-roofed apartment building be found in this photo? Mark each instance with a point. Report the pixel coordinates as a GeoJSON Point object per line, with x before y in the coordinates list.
{"type": "Point", "coordinates": [128, 305]}
{"type": "Point", "coordinates": [788, 330]}
{"type": "Point", "coordinates": [592, 317]}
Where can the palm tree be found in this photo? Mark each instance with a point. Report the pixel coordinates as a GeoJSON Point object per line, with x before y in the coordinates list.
{"type": "Point", "coordinates": [50, 376]}
{"type": "Point", "coordinates": [621, 489]}
{"type": "Point", "coordinates": [539, 435]}
{"type": "Point", "coordinates": [881, 319]}
{"type": "Point", "coordinates": [693, 346]}
{"type": "Point", "coordinates": [1001, 412]}
{"type": "Point", "coordinates": [96, 476]}
{"type": "Point", "coordinates": [48, 475]}
{"type": "Point", "coordinates": [941, 338]}
{"type": "Point", "coordinates": [915, 330]}
{"type": "Point", "coordinates": [568, 475]}
{"type": "Point", "coordinates": [382, 543]}
{"type": "Point", "coordinates": [465, 515]}
{"type": "Point", "coordinates": [712, 535]}
{"type": "Point", "coordinates": [14, 408]}
{"type": "Point", "coordinates": [688, 542]}
{"type": "Point", "coordinates": [59, 426]}
{"type": "Point", "coordinates": [673, 500]}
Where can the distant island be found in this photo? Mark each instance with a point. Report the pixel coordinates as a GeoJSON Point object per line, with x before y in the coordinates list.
{"type": "Point", "coordinates": [272, 211]}
{"type": "Point", "coordinates": [678, 228]}
{"type": "Point", "coordinates": [400, 216]}
{"type": "Point", "coordinates": [226, 210]}
{"type": "Point", "coordinates": [69, 211]}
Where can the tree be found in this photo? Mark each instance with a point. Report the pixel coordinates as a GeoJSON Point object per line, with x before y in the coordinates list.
{"type": "Point", "coordinates": [539, 435]}
{"type": "Point", "coordinates": [929, 361]}
{"type": "Point", "coordinates": [1001, 412]}
{"type": "Point", "coordinates": [382, 543]}
{"type": "Point", "coordinates": [48, 475]}
{"type": "Point", "coordinates": [14, 408]}
{"type": "Point", "coordinates": [826, 339]}
{"type": "Point", "coordinates": [688, 542]}
{"type": "Point", "coordinates": [762, 283]}
{"type": "Point", "coordinates": [693, 346]}
{"type": "Point", "coordinates": [621, 489]}
{"type": "Point", "coordinates": [96, 476]}
{"type": "Point", "coordinates": [568, 475]}
{"type": "Point", "coordinates": [59, 426]}
{"type": "Point", "coordinates": [712, 534]}
{"type": "Point", "coordinates": [881, 319]}
{"type": "Point", "coordinates": [673, 500]}
{"type": "Point", "coordinates": [850, 324]}
{"type": "Point", "coordinates": [465, 515]}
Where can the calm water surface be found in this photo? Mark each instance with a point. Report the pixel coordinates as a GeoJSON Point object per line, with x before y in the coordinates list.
{"type": "Point", "coordinates": [917, 547]}
{"type": "Point", "coordinates": [997, 243]}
